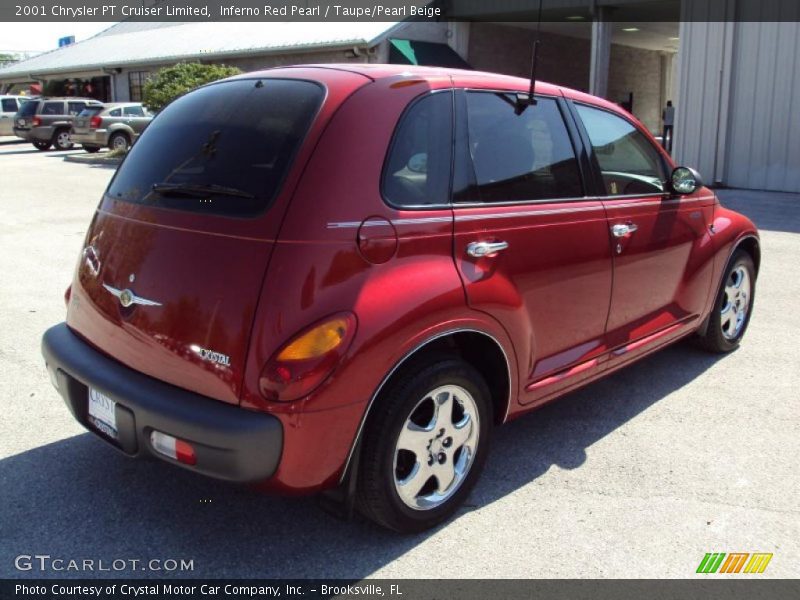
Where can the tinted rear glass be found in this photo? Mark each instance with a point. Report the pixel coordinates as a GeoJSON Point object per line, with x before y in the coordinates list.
{"type": "Point", "coordinates": [28, 109]}
{"type": "Point", "coordinates": [239, 134]}
{"type": "Point", "coordinates": [90, 111]}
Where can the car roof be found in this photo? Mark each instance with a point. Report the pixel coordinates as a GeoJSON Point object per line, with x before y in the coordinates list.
{"type": "Point", "coordinates": [464, 78]}
{"type": "Point", "coordinates": [120, 104]}
{"type": "Point", "coordinates": [69, 99]}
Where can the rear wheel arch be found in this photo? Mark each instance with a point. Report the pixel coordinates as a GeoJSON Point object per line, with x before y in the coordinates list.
{"type": "Point", "coordinates": [483, 351]}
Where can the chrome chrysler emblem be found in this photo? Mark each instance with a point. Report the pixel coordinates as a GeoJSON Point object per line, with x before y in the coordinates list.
{"type": "Point", "coordinates": [128, 298]}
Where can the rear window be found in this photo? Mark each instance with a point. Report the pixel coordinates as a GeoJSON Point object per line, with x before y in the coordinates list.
{"type": "Point", "coordinates": [239, 135]}
{"type": "Point", "coordinates": [90, 111]}
{"type": "Point", "coordinates": [28, 109]}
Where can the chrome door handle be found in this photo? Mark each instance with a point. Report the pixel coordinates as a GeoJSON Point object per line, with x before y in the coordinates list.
{"type": "Point", "coordinates": [622, 229]}
{"type": "Point", "coordinates": [481, 249]}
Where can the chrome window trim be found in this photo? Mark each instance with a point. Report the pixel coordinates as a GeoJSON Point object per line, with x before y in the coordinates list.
{"type": "Point", "coordinates": [405, 357]}
{"type": "Point", "coordinates": [523, 213]}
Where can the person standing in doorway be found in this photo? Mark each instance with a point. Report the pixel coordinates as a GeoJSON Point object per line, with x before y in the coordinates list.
{"type": "Point", "coordinates": [668, 117]}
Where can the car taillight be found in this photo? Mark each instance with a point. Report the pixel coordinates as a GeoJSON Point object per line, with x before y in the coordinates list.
{"type": "Point", "coordinates": [95, 122]}
{"type": "Point", "coordinates": [308, 359]}
{"type": "Point", "coordinates": [36, 121]}
{"type": "Point", "coordinates": [173, 448]}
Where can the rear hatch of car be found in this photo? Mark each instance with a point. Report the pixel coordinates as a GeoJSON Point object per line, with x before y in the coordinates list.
{"type": "Point", "coordinates": [24, 117]}
{"type": "Point", "coordinates": [83, 121]}
{"type": "Point", "coordinates": [174, 261]}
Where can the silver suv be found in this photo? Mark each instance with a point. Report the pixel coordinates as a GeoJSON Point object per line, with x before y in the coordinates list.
{"type": "Point", "coordinates": [47, 122]}
{"type": "Point", "coordinates": [9, 105]}
{"type": "Point", "coordinates": [114, 125]}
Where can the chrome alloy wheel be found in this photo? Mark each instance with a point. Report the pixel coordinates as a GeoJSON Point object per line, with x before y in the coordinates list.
{"type": "Point", "coordinates": [63, 140]}
{"type": "Point", "coordinates": [436, 447]}
{"type": "Point", "coordinates": [737, 301]}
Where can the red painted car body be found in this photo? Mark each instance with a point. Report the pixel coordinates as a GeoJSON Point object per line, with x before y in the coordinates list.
{"type": "Point", "coordinates": [562, 306]}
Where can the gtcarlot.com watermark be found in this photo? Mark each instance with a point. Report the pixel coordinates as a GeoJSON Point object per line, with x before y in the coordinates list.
{"type": "Point", "coordinates": [45, 563]}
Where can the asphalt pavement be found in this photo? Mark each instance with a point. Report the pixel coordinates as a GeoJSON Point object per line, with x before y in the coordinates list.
{"type": "Point", "coordinates": [638, 475]}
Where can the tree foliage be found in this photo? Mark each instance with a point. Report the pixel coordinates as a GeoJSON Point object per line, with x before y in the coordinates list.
{"type": "Point", "coordinates": [171, 82]}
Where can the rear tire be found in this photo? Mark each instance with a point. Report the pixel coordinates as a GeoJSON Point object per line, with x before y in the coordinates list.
{"type": "Point", "coordinates": [41, 146]}
{"type": "Point", "coordinates": [733, 307]}
{"type": "Point", "coordinates": [61, 140]}
{"type": "Point", "coordinates": [424, 445]}
{"type": "Point", "coordinates": [119, 141]}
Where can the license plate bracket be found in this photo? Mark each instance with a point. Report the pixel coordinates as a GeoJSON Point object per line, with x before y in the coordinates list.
{"type": "Point", "coordinates": [102, 413]}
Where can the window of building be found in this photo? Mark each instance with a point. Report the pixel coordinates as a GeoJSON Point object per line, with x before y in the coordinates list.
{"type": "Point", "coordinates": [518, 157]}
{"type": "Point", "coordinates": [629, 163]}
{"type": "Point", "coordinates": [136, 81]}
{"type": "Point", "coordinates": [417, 169]}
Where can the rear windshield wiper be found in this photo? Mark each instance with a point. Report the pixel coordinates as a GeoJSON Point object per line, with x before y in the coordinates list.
{"type": "Point", "coordinates": [193, 190]}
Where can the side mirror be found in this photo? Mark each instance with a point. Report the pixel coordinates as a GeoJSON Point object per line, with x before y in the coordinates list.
{"type": "Point", "coordinates": [685, 180]}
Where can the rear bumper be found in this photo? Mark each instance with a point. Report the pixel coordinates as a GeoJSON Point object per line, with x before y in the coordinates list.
{"type": "Point", "coordinates": [35, 134]}
{"type": "Point", "coordinates": [231, 443]}
{"type": "Point", "coordinates": [90, 138]}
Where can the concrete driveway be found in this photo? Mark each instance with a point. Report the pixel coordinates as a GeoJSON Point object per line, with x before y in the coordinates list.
{"type": "Point", "coordinates": [638, 475]}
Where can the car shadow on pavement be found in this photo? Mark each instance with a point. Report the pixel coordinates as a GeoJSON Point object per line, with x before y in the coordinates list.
{"type": "Point", "coordinates": [77, 498]}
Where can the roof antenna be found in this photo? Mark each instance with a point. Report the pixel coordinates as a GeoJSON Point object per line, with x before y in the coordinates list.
{"type": "Point", "coordinates": [523, 100]}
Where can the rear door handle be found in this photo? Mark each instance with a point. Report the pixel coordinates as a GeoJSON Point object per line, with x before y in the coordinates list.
{"type": "Point", "coordinates": [619, 230]}
{"type": "Point", "coordinates": [481, 249]}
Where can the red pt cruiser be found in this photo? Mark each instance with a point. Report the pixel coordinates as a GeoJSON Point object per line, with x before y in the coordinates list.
{"type": "Point", "coordinates": [341, 277]}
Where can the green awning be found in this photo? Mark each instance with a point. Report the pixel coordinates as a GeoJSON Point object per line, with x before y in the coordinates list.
{"type": "Point", "coordinates": [429, 54]}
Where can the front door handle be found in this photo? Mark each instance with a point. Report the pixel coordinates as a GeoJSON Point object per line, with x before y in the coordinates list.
{"type": "Point", "coordinates": [619, 230]}
{"type": "Point", "coordinates": [481, 249]}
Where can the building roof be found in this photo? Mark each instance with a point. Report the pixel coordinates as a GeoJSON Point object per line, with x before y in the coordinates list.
{"type": "Point", "coordinates": [131, 43]}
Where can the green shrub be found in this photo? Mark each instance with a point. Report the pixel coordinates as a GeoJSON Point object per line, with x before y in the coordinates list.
{"type": "Point", "coordinates": [171, 82]}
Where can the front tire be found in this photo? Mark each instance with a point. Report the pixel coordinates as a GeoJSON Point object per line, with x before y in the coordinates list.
{"type": "Point", "coordinates": [42, 146]}
{"type": "Point", "coordinates": [424, 445]}
{"type": "Point", "coordinates": [734, 305]}
{"type": "Point", "coordinates": [91, 149]}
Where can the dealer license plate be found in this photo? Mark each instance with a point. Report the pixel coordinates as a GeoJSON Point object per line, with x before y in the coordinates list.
{"type": "Point", "coordinates": [101, 413]}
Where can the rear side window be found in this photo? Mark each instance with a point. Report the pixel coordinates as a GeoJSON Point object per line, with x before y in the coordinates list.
{"type": "Point", "coordinates": [28, 108]}
{"type": "Point", "coordinates": [9, 105]}
{"type": "Point", "coordinates": [417, 168]}
{"type": "Point", "coordinates": [75, 108]}
{"type": "Point", "coordinates": [53, 108]}
{"type": "Point", "coordinates": [133, 111]}
{"type": "Point", "coordinates": [117, 112]}
{"type": "Point", "coordinates": [223, 149]}
{"type": "Point", "coordinates": [518, 157]}
{"type": "Point", "coordinates": [629, 164]}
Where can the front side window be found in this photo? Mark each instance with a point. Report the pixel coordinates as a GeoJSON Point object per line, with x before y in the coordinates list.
{"type": "Point", "coordinates": [222, 149]}
{"type": "Point", "coordinates": [628, 162]}
{"type": "Point", "coordinates": [75, 108]}
{"type": "Point", "coordinates": [133, 111]}
{"type": "Point", "coordinates": [53, 108]}
{"type": "Point", "coordinates": [417, 169]}
{"type": "Point", "coordinates": [518, 157]}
